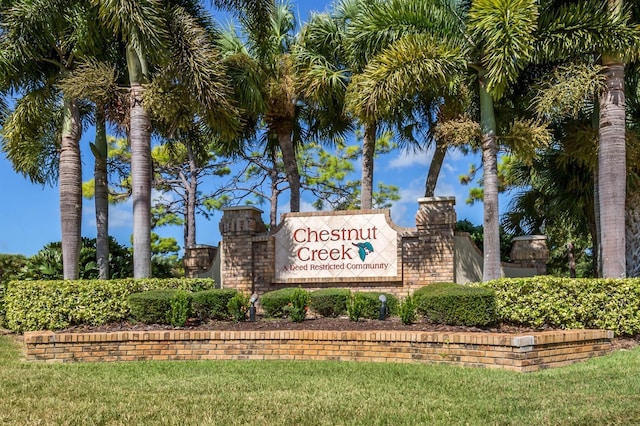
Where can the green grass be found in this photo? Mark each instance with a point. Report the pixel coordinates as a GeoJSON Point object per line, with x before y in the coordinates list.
{"type": "Point", "coordinates": [604, 390]}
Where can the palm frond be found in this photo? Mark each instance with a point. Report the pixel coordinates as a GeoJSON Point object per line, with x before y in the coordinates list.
{"type": "Point", "coordinates": [31, 135]}
{"type": "Point", "coordinates": [504, 31]}
{"type": "Point", "coordinates": [416, 63]}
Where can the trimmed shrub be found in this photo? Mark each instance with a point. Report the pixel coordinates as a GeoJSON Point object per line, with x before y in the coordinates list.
{"type": "Point", "coordinates": [610, 304]}
{"type": "Point", "coordinates": [297, 310]}
{"type": "Point", "coordinates": [238, 306]}
{"type": "Point", "coordinates": [330, 302]}
{"type": "Point", "coordinates": [151, 307]}
{"type": "Point", "coordinates": [407, 310]}
{"type": "Point", "coordinates": [355, 306]}
{"type": "Point", "coordinates": [52, 305]}
{"type": "Point", "coordinates": [455, 304]}
{"type": "Point", "coordinates": [274, 302]}
{"type": "Point", "coordinates": [179, 308]}
{"type": "Point", "coordinates": [212, 304]}
{"type": "Point", "coordinates": [371, 300]}
{"type": "Point", "coordinates": [2, 312]}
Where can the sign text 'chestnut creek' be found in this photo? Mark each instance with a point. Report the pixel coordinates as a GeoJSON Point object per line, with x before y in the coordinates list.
{"type": "Point", "coordinates": [336, 246]}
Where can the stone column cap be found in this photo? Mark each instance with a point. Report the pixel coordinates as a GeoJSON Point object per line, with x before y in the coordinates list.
{"type": "Point", "coordinates": [529, 238]}
{"type": "Point", "coordinates": [239, 208]}
{"type": "Point", "coordinates": [436, 199]}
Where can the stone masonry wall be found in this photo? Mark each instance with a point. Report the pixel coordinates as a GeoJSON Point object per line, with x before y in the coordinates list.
{"type": "Point", "coordinates": [425, 253]}
{"type": "Point", "coordinates": [494, 350]}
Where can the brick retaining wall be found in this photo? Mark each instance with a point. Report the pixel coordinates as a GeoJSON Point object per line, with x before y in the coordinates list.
{"type": "Point", "coordinates": [526, 352]}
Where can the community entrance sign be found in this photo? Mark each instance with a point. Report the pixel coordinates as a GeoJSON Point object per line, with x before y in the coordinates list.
{"type": "Point", "coordinates": [335, 246]}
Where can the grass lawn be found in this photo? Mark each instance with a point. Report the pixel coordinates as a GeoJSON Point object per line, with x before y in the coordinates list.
{"type": "Point", "coordinates": [604, 390]}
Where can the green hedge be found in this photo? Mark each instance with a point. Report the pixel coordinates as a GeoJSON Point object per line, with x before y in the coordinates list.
{"type": "Point", "coordinates": [372, 304]}
{"type": "Point", "coordinates": [455, 304]}
{"type": "Point", "coordinates": [212, 304]}
{"type": "Point", "coordinates": [52, 305]}
{"type": "Point", "coordinates": [2, 310]}
{"type": "Point", "coordinates": [274, 302]}
{"type": "Point", "coordinates": [610, 304]}
{"type": "Point", "coordinates": [330, 302]}
{"type": "Point", "coordinates": [151, 307]}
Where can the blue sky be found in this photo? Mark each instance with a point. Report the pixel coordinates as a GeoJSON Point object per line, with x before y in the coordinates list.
{"type": "Point", "coordinates": [29, 214]}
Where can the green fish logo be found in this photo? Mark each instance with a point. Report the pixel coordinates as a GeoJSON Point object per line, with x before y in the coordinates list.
{"type": "Point", "coordinates": [363, 249]}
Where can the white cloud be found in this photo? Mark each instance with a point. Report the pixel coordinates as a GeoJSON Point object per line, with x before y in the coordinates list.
{"type": "Point", "coordinates": [409, 158]}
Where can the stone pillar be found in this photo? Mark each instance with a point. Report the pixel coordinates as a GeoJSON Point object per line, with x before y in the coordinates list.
{"type": "Point", "coordinates": [530, 251]}
{"type": "Point", "coordinates": [198, 259]}
{"type": "Point", "coordinates": [431, 256]}
{"type": "Point", "coordinates": [237, 227]}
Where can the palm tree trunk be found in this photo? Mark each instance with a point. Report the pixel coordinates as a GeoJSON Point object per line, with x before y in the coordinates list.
{"type": "Point", "coordinates": [368, 154]}
{"type": "Point", "coordinates": [491, 245]}
{"type": "Point", "coordinates": [140, 139]}
{"type": "Point", "coordinates": [190, 237]}
{"type": "Point", "coordinates": [140, 135]}
{"type": "Point", "coordinates": [101, 193]}
{"type": "Point", "coordinates": [284, 132]}
{"type": "Point", "coordinates": [71, 190]}
{"type": "Point", "coordinates": [273, 197]}
{"type": "Point", "coordinates": [612, 171]}
{"type": "Point", "coordinates": [434, 169]}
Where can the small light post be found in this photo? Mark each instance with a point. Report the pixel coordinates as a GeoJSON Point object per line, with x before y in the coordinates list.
{"type": "Point", "coordinates": [252, 308]}
{"type": "Point", "coordinates": [383, 307]}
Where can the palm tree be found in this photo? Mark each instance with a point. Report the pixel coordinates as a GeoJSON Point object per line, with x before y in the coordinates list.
{"type": "Point", "coordinates": [264, 76]}
{"type": "Point", "coordinates": [97, 82]}
{"type": "Point", "coordinates": [172, 40]}
{"type": "Point", "coordinates": [56, 45]}
{"type": "Point", "coordinates": [603, 32]}
{"type": "Point", "coordinates": [496, 38]}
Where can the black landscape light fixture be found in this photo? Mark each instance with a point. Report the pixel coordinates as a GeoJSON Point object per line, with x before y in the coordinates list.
{"type": "Point", "coordinates": [252, 308]}
{"type": "Point", "coordinates": [383, 307]}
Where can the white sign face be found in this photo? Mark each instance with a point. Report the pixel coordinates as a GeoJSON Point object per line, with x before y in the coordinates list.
{"type": "Point", "coordinates": [336, 246]}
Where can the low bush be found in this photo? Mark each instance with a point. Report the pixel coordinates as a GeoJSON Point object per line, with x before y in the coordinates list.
{"type": "Point", "coordinates": [52, 305]}
{"type": "Point", "coordinates": [371, 301]}
{"type": "Point", "coordinates": [274, 302]}
{"type": "Point", "coordinates": [297, 310]}
{"type": "Point", "coordinates": [151, 307]}
{"type": "Point", "coordinates": [238, 306]}
{"type": "Point", "coordinates": [455, 304]}
{"type": "Point", "coordinates": [2, 312]}
{"type": "Point", "coordinates": [330, 302]}
{"type": "Point", "coordinates": [179, 308]}
{"type": "Point", "coordinates": [610, 304]}
{"type": "Point", "coordinates": [407, 310]}
{"type": "Point", "coordinates": [355, 306]}
{"type": "Point", "coordinates": [212, 304]}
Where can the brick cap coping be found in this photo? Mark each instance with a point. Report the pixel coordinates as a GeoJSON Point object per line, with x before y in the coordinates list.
{"type": "Point", "coordinates": [491, 339]}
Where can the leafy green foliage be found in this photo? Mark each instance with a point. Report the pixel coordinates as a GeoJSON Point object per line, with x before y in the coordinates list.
{"type": "Point", "coordinates": [297, 310]}
{"type": "Point", "coordinates": [330, 302]}
{"type": "Point", "coordinates": [407, 310]}
{"type": "Point", "coordinates": [611, 304]}
{"type": "Point", "coordinates": [274, 302]}
{"type": "Point", "coordinates": [367, 305]}
{"type": "Point", "coordinates": [372, 304]}
{"type": "Point", "coordinates": [238, 306]}
{"type": "Point", "coordinates": [179, 308]}
{"type": "Point", "coordinates": [52, 305]}
{"type": "Point", "coordinates": [355, 306]}
{"type": "Point", "coordinates": [152, 307]}
{"type": "Point", "coordinates": [212, 304]}
{"type": "Point", "coordinates": [476, 232]}
{"type": "Point", "coordinates": [10, 266]}
{"type": "Point", "coordinates": [455, 304]}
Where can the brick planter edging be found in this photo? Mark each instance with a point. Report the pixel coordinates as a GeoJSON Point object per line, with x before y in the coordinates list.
{"type": "Point", "coordinates": [521, 352]}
